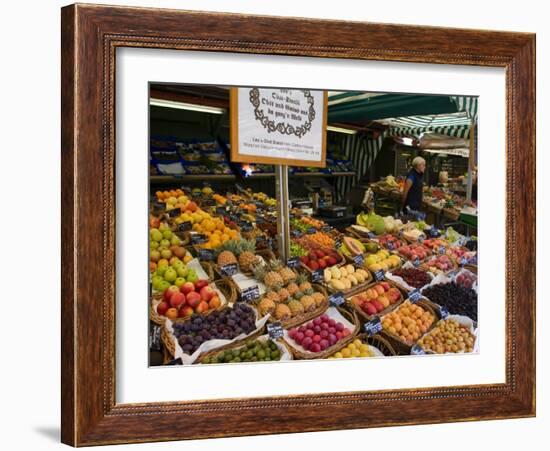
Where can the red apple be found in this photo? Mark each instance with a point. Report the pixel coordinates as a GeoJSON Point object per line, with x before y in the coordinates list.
{"type": "Point", "coordinates": [162, 307]}
{"type": "Point", "coordinates": [177, 299]}
{"type": "Point", "coordinates": [202, 307]}
{"type": "Point", "coordinates": [207, 293]}
{"type": "Point", "coordinates": [193, 299]}
{"type": "Point", "coordinates": [169, 292]}
{"type": "Point", "coordinates": [186, 311]}
{"type": "Point", "coordinates": [187, 287]}
{"type": "Point", "coordinates": [199, 284]}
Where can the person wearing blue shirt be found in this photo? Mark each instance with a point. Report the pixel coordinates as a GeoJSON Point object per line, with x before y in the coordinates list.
{"type": "Point", "coordinates": [414, 184]}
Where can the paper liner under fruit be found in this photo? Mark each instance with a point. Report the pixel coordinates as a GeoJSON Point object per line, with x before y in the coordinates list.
{"type": "Point", "coordinates": [285, 353]}
{"type": "Point", "coordinates": [210, 345]}
{"type": "Point", "coordinates": [400, 282]}
{"type": "Point", "coordinates": [243, 282]}
{"type": "Point", "coordinates": [468, 323]}
{"type": "Point", "coordinates": [332, 313]}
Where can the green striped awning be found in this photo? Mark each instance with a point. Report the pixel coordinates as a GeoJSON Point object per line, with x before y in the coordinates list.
{"type": "Point", "coordinates": [456, 125]}
{"type": "Point", "coordinates": [467, 104]}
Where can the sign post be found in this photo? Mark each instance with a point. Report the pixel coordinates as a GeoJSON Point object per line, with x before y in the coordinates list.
{"type": "Point", "coordinates": [281, 127]}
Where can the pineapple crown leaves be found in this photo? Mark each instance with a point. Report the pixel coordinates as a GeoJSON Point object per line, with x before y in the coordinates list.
{"type": "Point", "coordinates": [301, 278]}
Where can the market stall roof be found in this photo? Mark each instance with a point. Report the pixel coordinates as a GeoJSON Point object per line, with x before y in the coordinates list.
{"type": "Point", "coordinates": [359, 107]}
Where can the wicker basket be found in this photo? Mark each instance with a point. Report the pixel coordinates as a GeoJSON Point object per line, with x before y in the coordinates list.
{"type": "Point", "coordinates": [208, 269]}
{"type": "Point", "coordinates": [400, 346]}
{"type": "Point", "coordinates": [362, 315]}
{"type": "Point", "coordinates": [228, 289]}
{"type": "Point", "coordinates": [471, 268]}
{"type": "Point", "coordinates": [169, 340]}
{"type": "Point", "coordinates": [451, 213]}
{"type": "Point", "coordinates": [379, 342]}
{"type": "Point", "coordinates": [280, 343]}
{"type": "Point", "coordinates": [424, 266]}
{"type": "Point", "coordinates": [300, 319]}
{"type": "Point", "coordinates": [154, 316]}
{"type": "Point", "coordinates": [354, 289]}
{"type": "Point", "coordinates": [352, 318]}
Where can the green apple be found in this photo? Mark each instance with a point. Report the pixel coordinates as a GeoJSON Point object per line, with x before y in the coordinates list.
{"type": "Point", "coordinates": [155, 234]}
{"type": "Point", "coordinates": [153, 245]}
{"type": "Point", "coordinates": [162, 263]}
{"type": "Point", "coordinates": [165, 243]}
{"type": "Point", "coordinates": [179, 281]}
{"type": "Point", "coordinates": [164, 285]}
{"type": "Point", "coordinates": [170, 274]}
{"type": "Point", "coordinates": [166, 253]}
{"type": "Point", "coordinates": [163, 226]}
{"type": "Point", "coordinates": [156, 281]}
{"type": "Point", "coordinates": [182, 271]}
{"type": "Point", "coordinates": [174, 241]}
{"type": "Point", "coordinates": [167, 234]}
{"type": "Point", "coordinates": [161, 270]}
{"type": "Point", "coordinates": [192, 276]}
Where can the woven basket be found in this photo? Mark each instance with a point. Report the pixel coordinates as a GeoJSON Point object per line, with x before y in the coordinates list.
{"type": "Point", "coordinates": [352, 318]}
{"type": "Point", "coordinates": [379, 342]}
{"type": "Point", "coordinates": [471, 268]}
{"type": "Point", "coordinates": [400, 346]}
{"type": "Point", "coordinates": [237, 345]}
{"type": "Point", "coordinates": [451, 213]}
{"type": "Point", "coordinates": [209, 270]}
{"type": "Point", "coordinates": [228, 288]}
{"type": "Point", "coordinates": [425, 267]}
{"type": "Point", "coordinates": [154, 316]}
{"type": "Point", "coordinates": [362, 315]}
{"type": "Point", "coordinates": [354, 289]}
{"type": "Point", "coordinates": [169, 340]}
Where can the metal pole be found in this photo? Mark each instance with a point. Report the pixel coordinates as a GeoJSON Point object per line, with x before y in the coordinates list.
{"type": "Point", "coordinates": [471, 162]}
{"type": "Point", "coordinates": [283, 227]}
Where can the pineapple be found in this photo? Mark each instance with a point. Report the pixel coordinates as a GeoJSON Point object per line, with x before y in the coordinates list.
{"type": "Point", "coordinates": [226, 258]}
{"type": "Point", "coordinates": [308, 302]}
{"type": "Point", "coordinates": [295, 307]}
{"type": "Point", "coordinates": [266, 306]}
{"type": "Point", "coordinates": [283, 294]}
{"type": "Point", "coordinates": [273, 280]}
{"type": "Point", "coordinates": [292, 288]}
{"type": "Point", "coordinates": [287, 274]}
{"type": "Point", "coordinates": [303, 284]}
{"type": "Point", "coordinates": [318, 298]}
{"type": "Point", "coordinates": [247, 257]}
{"type": "Point", "coordinates": [272, 295]}
{"type": "Point", "coordinates": [282, 312]}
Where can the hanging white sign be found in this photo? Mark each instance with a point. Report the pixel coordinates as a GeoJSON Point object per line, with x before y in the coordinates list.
{"type": "Point", "coordinates": [278, 126]}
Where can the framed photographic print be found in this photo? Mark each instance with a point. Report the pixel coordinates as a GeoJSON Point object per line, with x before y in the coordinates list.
{"type": "Point", "coordinates": [333, 216]}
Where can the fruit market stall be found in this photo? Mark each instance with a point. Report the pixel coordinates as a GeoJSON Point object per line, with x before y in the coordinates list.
{"type": "Point", "coordinates": [245, 268]}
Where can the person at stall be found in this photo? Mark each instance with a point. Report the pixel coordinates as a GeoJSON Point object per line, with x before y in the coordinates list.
{"type": "Point", "coordinates": [414, 184]}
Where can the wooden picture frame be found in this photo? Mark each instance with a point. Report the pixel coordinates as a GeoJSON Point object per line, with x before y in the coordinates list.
{"type": "Point", "coordinates": [236, 156]}
{"type": "Point", "coordinates": [90, 36]}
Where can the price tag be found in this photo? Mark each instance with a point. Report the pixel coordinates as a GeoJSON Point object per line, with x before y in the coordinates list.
{"type": "Point", "coordinates": [417, 350]}
{"type": "Point", "coordinates": [275, 330]}
{"type": "Point", "coordinates": [326, 228]}
{"type": "Point", "coordinates": [174, 213]}
{"type": "Point", "coordinates": [359, 260]}
{"type": "Point", "coordinates": [245, 226]}
{"type": "Point", "coordinates": [293, 262]}
{"type": "Point", "coordinates": [379, 275]}
{"type": "Point", "coordinates": [158, 205]}
{"type": "Point", "coordinates": [184, 226]}
{"type": "Point", "coordinates": [220, 211]}
{"type": "Point", "coordinates": [250, 294]}
{"type": "Point", "coordinates": [198, 238]}
{"type": "Point", "coordinates": [336, 299]}
{"type": "Point", "coordinates": [416, 262]}
{"type": "Point", "coordinates": [390, 245]}
{"type": "Point", "coordinates": [373, 327]}
{"type": "Point", "coordinates": [433, 232]}
{"type": "Point", "coordinates": [442, 249]}
{"type": "Point", "coordinates": [421, 238]}
{"type": "Point", "coordinates": [229, 270]}
{"type": "Point", "coordinates": [443, 312]}
{"type": "Point", "coordinates": [463, 261]}
{"type": "Point", "coordinates": [338, 243]}
{"type": "Point", "coordinates": [371, 235]}
{"type": "Point", "coordinates": [234, 218]}
{"type": "Point", "coordinates": [154, 338]}
{"type": "Point", "coordinates": [311, 230]}
{"type": "Point", "coordinates": [317, 276]}
{"type": "Point", "coordinates": [259, 220]}
{"type": "Point", "coordinates": [295, 233]}
{"type": "Point", "coordinates": [177, 361]}
{"type": "Point", "coordinates": [414, 296]}
{"type": "Point", "coordinates": [261, 241]}
{"type": "Point", "coordinates": [206, 254]}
